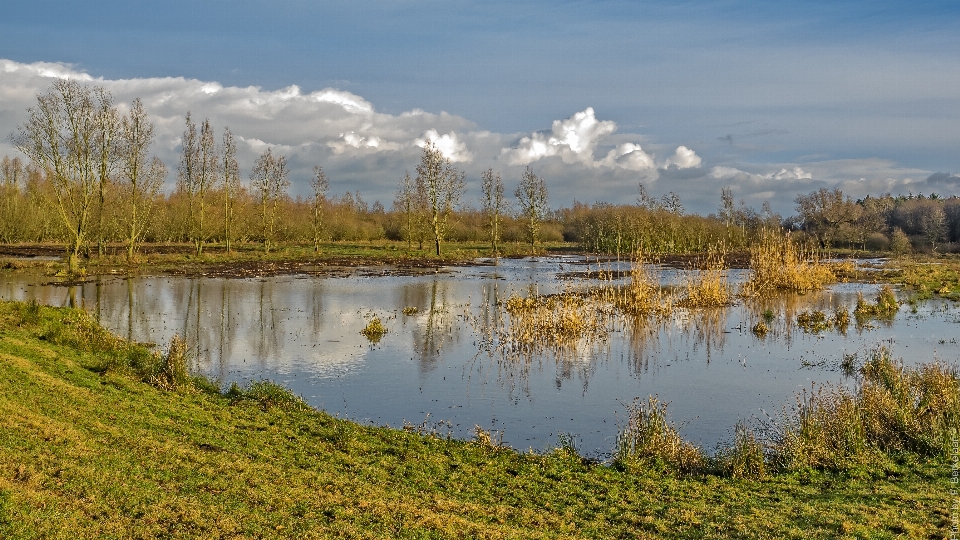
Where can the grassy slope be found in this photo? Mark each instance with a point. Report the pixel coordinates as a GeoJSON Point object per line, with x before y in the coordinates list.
{"type": "Point", "coordinates": [86, 452]}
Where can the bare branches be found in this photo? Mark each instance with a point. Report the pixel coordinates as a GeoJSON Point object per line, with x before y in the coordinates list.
{"type": "Point", "coordinates": [532, 197]}
{"type": "Point", "coordinates": [442, 184]}
{"type": "Point", "coordinates": [269, 180]}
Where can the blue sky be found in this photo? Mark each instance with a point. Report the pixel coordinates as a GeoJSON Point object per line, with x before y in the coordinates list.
{"type": "Point", "coordinates": [860, 95]}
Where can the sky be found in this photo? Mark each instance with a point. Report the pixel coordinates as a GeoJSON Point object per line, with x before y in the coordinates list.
{"type": "Point", "coordinates": [772, 99]}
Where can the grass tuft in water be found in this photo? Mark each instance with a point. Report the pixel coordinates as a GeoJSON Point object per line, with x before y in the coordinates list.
{"type": "Point", "coordinates": [780, 264]}
{"type": "Point", "coordinates": [374, 331]}
{"type": "Point", "coordinates": [884, 306]}
{"type": "Point", "coordinates": [706, 284]}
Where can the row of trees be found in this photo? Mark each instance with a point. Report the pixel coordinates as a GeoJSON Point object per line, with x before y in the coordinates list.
{"type": "Point", "coordinates": [835, 220]}
{"type": "Point", "coordinates": [90, 165]}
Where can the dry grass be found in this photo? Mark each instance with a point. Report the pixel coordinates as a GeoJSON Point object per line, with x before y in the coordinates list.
{"type": "Point", "coordinates": [745, 457]}
{"type": "Point", "coordinates": [539, 322]}
{"type": "Point", "coordinates": [780, 264]}
{"type": "Point", "coordinates": [706, 285]}
{"type": "Point", "coordinates": [643, 295]}
{"type": "Point", "coordinates": [649, 437]}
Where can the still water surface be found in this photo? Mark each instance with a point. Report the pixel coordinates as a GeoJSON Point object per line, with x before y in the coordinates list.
{"type": "Point", "coordinates": [304, 332]}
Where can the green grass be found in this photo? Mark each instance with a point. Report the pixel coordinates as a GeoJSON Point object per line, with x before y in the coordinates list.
{"type": "Point", "coordinates": [90, 448]}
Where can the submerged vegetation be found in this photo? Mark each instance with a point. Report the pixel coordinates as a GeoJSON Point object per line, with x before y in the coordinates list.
{"type": "Point", "coordinates": [93, 445]}
{"type": "Point", "coordinates": [374, 330]}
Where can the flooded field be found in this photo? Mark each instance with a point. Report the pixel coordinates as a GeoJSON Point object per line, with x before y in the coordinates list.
{"type": "Point", "coordinates": [436, 364]}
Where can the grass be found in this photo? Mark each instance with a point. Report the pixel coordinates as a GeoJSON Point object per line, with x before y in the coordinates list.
{"type": "Point", "coordinates": [779, 264]}
{"type": "Point", "coordinates": [941, 278]}
{"type": "Point", "coordinates": [89, 448]}
{"type": "Point", "coordinates": [544, 322]}
{"type": "Point", "coordinates": [816, 321]}
{"type": "Point", "coordinates": [706, 285]}
{"type": "Point", "coordinates": [884, 306]}
{"type": "Point", "coordinates": [642, 296]}
{"type": "Point", "coordinates": [374, 330]}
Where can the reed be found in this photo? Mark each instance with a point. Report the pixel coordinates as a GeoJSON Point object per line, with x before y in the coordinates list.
{"type": "Point", "coordinates": [651, 438]}
{"type": "Point", "coordinates": [744, 458]}
{"type": "Point", "coordinates": [706, 284]}
{"type": "Point", "coordinates": [643, 295]}
{"type": "Point", "coordinates": [780, 264]}
{"type": "Point", "coordinates": [540, 322]}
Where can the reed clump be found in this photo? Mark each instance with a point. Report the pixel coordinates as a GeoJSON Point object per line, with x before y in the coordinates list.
{"type": "Point", "coordinates": [780, 264]}
{"type": "Point", "coordinates": [171, 370]}
{"type": "Point", "coordinates": [375, 330]}
{"type": "Point", "coordinates": [546, 321]}
{"type": "Point", "coordinates": [706, 284]}
{"type": "Point", "coordinates": [760, 329]}
{"type": "Point", "coordinates": [885, 305]}
{"type": "Point", "coordinates": [643, 295]}
{"type": "Point", "coordinates": [650, 438]}
{"type": "Point", "coordinates": [893, 409]}
{"type": "Point", "coordinates": [816, 321]}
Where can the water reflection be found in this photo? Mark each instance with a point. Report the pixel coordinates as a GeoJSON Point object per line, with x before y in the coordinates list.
{"type": "Point", "coordinates": [443, 360]}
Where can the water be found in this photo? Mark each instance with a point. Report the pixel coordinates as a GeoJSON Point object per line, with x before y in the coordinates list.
{"type": "Point", "coordinates": [304, 332]}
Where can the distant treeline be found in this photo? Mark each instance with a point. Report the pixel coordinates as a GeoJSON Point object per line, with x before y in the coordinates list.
{"type": "Point", "coordinates": [90, 180]}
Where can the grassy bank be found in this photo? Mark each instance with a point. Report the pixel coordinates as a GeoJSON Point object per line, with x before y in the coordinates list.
{"type": "Point", "coordinates": [99, 438]}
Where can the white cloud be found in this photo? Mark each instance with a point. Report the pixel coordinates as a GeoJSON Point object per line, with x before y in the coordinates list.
{"type": "Point", "coordinates": [449, 146]}
{"type": "Point", "coordinates": [684, 158]}
{"type": "Point", "coordinates": [573, 140]}
{"type": "Point", "coordinates": [736, 175]}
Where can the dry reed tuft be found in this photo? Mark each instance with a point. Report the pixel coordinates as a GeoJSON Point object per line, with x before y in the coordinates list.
{"type": "Point", "coordinates": [546, 321]}
{"type": "Point", "coordinates": [745, 457]}
{"type": "Point", "coordinates": [760, 329]}
{"type": "Point", "coordinates": [643, 295]}
{"type": "Point", "coordinates": [171, 370]}
{"type": "Point", "coordinates": [780, 264]}
{"type": "Point", "coordinates": [706, 284]}
{"type": "Point", "coordinates": [649, 437]}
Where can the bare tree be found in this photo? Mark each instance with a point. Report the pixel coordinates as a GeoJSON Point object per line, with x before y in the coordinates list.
{"type": "Point", "coordinates": [107, 125]}
{"type": "Point", "coordinates": [63, 136]}
{"type": "Point", "coordinates": [196, 174]}
{"type": "Point", "coordinates": [269, 180]}
{"type": "Point", "coordinates": [442, 185]}
{"type": "Point", "coordinates": [532, 197]}
{"type": "Point", "coordinates": [230, 176]}
{"type": "Point", "coordinates": [12, 183]}
{"type": "Point", "coordinates": [320, 185]}
{"type": "Point", "coordinates": [493, 206]}
{"type": "Point", "coordinates": [140, 177]}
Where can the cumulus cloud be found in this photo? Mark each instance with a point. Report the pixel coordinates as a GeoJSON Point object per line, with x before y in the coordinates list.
{"type": "Point", "coordinates": [449, 146]}
{"type": "Point", "coordinates": [736, 175]}
{"type": "Point", "coordinates": [573, 140]}
{"type": "Point", "coordinates": [684, 158]}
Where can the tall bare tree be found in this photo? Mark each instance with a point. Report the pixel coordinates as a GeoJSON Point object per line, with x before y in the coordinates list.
{"type": "Point", "coordinates": [320, 185]}
{"type": "Point", "coordinates": [108, 125]}
{"type": "Point", "coordinates": [442, 185]}
{"type": "Point", "coordinates": [532, 197]}
{"type": "Point", "coordinates": [140, 177]}
{"type": "Point", "coordinates": [493, 206]}
{"type": "Point", "coordinates": [269, 180]}
{"type": "Point", "coordinates": [230, 176]}
{"type": "Point", "coordinates": [196, 174]}
{"type": "Point", "coordinates": [12, 183]}
{"type": "Point", "coordinates": [62, 136]}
